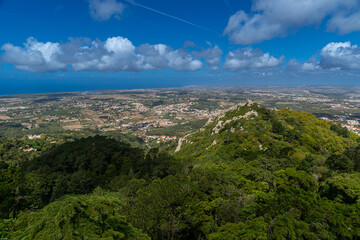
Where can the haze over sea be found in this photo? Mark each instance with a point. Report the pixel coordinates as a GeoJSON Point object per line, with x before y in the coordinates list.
{"type": "Point", "coordinates": [41, 86]}
{"type": "Point", "coordinates": [78, 85]}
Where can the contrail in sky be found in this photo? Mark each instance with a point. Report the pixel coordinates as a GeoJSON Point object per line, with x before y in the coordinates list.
{"type": "Point", "coordinates": [170, 16]}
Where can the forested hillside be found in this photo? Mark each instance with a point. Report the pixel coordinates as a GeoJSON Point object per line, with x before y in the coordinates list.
{"type": "Point", "coordinates": [250, 173]}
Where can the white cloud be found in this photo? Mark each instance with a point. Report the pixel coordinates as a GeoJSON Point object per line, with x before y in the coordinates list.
{"type": "Point", "coordinates": [115, 54]}
{"type": "Point", "coordinates": [211, 55]}
{"type": "Point", "coordinates": [274, 18]}
{"type": "Point", "coordinates": [161, 55]}
{"type": "Point", "coordinates": [309, 66]}
{"type": "Point", "coordinates": [340, 56]}
{"type": "Point", "coordinates": [251, 59]}
{"type": "Point", "coordinates": [334, 56]}
{"type": "Point", "coordinates": [121, 55]}
{"type": "Point", "coordinates": [103, 9]}
{"type": "Point", "coordinates": [243, 29]}
{"type": "Point", "coordinates": [35, 56]}
{"type": "Point", "coordinates": [344, 23]}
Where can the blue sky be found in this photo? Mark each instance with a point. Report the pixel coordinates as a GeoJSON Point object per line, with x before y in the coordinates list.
{"type": "Point", "coordinates": [62, 45]}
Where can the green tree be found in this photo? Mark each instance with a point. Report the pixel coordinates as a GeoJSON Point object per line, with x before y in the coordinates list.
{"type": "Point", "coordinates": [96, 216]}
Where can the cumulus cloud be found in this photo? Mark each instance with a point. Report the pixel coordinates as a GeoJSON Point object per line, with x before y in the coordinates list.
{"type": "Point", "coordinates": [115, 54]}
{"type": "Point", "coordinates": [334, 56]}
{"type": "Point", "coordinates": [34, 56]}
{"type": "Point", "coordinates": [344, 23]}
{"type": "Point", "coordinates": [251, 59]}
{"type": "Point", "coordinates": [161, 55]}
{"type": "Point", "coordinates": [244, 29]}
{"type": "Point", "coordinates": [211, 55]}
{"type": "Point", "coordinates": [102, 10]}
{"type": "Point", "coordinates": [274, 18]}
{"type": "Point", "coordinates": [295, 65]}
{"type": "Point", "coordinates": [340, 56]}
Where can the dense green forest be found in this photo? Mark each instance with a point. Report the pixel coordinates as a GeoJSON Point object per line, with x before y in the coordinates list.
{"type": "Point", "coordinates": [250, 173]}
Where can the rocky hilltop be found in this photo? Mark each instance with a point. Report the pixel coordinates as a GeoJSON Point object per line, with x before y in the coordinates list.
{"type": "Point", "coordinates": [249, 131]}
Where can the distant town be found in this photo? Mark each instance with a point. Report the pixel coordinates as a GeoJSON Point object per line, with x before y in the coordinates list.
{"type": "Point", "coordinates": [162, 115]}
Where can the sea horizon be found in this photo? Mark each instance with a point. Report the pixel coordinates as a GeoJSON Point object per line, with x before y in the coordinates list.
{"type": "Point", "coordinates": [31, 87]}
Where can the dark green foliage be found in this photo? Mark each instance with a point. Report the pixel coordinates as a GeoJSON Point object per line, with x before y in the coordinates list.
{"type": "Point", "coordinates": [159, 164]}
{"type": "Point", "coordinates": [79, 166]}
{"type": "Point", "coordinates": [340, 162]}
{"type": "Point", "coordinates": [341, 131]}
{"type": "Point", "coordinates": [97, 216]}
{"type": "Point", "coordinates": [6, 228]}
{"type": "Point", "coordinates": [344, 187]}
{"type": "Point", "coordinates": [346, 162]}
{"type": "Point", "coordinates": [163, 206]}
{"type": "Point", "coordinates": [18, 191]}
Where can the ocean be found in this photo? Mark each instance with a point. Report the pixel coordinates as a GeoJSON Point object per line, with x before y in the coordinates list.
{"type": "Point", "coordinates": [49, 86]}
